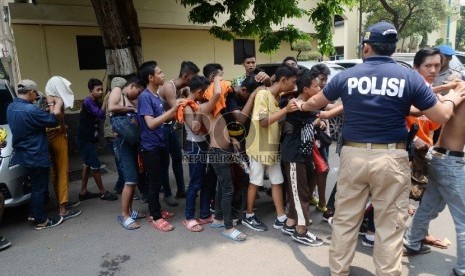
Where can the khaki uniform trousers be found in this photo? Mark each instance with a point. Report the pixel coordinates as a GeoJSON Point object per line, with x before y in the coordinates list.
{"type": "Point", "coordinates": [58, 146]}
{"type": "Point", "coordinates": [385, 175]}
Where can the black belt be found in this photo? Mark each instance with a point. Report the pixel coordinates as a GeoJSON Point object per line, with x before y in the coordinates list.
{"type": "Point", "coordinates": [449, 152]}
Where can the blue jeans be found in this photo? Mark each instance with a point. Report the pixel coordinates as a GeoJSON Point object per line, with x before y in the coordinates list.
{"type": "Point", "coordinates": [173, 146]}
{"type": "Point", "coordinates": [88, 153]}
{"type": "Point", "coordinates": [120, 182]}
{"type": "Point", "coordinates": [126, 154]}
{"type": "Point", "coordinates": [196, 156]}
{"type": "Point", "coordinates": [39, 192]}
{"type": "Point", "coordinates": [219, 160]}
{"type": "Point", "coordinates": [446, 185]}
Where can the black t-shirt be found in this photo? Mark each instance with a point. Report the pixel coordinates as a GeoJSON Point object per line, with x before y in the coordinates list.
{"type": "Point", "coordinates": [236, 130]}
{"type": "Point", "coordinates": [297, 137]}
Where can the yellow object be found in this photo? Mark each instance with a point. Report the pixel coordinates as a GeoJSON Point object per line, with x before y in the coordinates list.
{"type": "Point", "coordinates": [447, 241]}
{"type": "Point", "coordinates": [2, 135]}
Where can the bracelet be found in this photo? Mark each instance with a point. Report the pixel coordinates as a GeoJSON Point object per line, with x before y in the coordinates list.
{"type": "Point", "coordinates": [447, 100]}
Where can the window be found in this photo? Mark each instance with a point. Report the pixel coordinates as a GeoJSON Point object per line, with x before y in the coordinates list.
{"type": "Point", "coordinates": [338, 20]}
{"type": "Point", "coordinates": [5, 99]}
{"type": "Point", "coordinates": [91, 52]}
{"type": "Point", "coordinates": [242, 48]}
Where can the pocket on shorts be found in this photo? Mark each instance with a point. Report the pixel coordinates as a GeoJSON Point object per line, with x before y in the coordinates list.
{"type": "Point", "coordinates": [398, 161]}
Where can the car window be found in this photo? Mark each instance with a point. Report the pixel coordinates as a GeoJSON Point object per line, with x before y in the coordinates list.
{"type": "Point", "coordinates": [5, 99]}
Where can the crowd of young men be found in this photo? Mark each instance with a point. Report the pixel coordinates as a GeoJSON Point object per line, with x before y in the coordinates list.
{"type": "Point", "coordinates": [250, 126]}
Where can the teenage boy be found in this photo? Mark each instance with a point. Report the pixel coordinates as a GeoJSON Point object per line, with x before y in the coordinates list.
{"type": "Point", "coordinates": [151, 120]}
{"type": "Point", "coordinates": [120, 103]}
{"type": "Point", "coordinates": [169, 92]}
{"type": "Point", "coordinates": [28, 123]}
{"type": "Point", "coordinates": [296, 153]}
{"type": "Point", "coordinates": [262, 146]}
{"type": "Point", "coordinates": [92, 113]}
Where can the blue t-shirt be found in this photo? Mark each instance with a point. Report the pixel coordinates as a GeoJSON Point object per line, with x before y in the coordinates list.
{"type": "Point", "coordinates": [377, 96]}
{"type": "Point", "coordinates": [28, 123]}
{"type": "Point", "coordinates": [149, 104]}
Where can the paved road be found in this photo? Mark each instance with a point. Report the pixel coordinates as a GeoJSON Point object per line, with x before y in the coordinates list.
{"type": "Point", "coordinates": [95, 244]}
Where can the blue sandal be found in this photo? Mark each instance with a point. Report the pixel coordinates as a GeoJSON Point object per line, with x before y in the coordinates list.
{"type": "Point", "coordinates": [137, 215]}
{"type": "Point", "coordinates": [127, 223]}
{"type": "Point", "coordinates": [234, 235]}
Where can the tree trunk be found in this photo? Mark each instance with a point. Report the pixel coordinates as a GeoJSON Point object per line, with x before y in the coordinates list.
{"type": "Point", "coordinates": [121, 36]}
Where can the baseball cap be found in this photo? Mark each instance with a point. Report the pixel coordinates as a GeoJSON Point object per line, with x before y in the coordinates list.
{"type": "Point", "coordinates": [26, 85]}
{"type": "Point", "coordinates": [446, 50]}
{"type": "Point", "coordinates": [381, 32]}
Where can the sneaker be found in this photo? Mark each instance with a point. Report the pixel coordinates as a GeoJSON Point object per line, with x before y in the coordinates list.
{"type": "Point", "coordinates": [366, 242]}
{"type": "Point", "coordinates": [328, 214]}
{"type": "Point", "coordinates": [288, 230]}
{"type": "Point", "coordinates": [4, 243]}
{"type": "Point", "coordinates": [136, 196]}
{"type": "Point", "coordinates": [278, 224]}
{"type": "Point", "coordinates": [2, 238]}
{"type": "Point", "coordinates": [171, 201]}
{"type": "Point", "coordinates": [118, 191]}
{"type": "Point", "coordinates": [314, 201]}
{"type": "Point", "coordinates": [254, 223]}
{"type": "Point", "coordinates": [410, 252]}
{"type": "Point", "coordinates": [88, 195]}
{"type": "Point", "coordinates": [143, 197]}
{"type": "Point", "coordinates": [72, 204]}
{"type": "Point", "coordinates": [108, 196]}
{"type": "Point", "coordinates": [49, 223]}
{"type": "Point", "coordinates": [330, 222]}
{"type": "Point", "coordinates": [307, 238]}
{"type": "Point", "coordinates": [70, 214]}
{"type": "Point", "coordinates": [180, 194]}
{"type": "Point", "coordinates": [363, 229]}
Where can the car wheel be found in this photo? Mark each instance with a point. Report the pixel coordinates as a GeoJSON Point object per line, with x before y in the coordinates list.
{"type": "Point", "coordinates": [335, 127]}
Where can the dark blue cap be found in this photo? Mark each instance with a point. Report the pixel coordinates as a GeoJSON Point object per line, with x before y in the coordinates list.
{"type": "Point", "coordinates": [381, 32]}
{"type": "Point", "coordinates": [446, 50]}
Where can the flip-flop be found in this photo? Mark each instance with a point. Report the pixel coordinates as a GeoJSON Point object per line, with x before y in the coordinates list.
{"type": "Point", "coordinates": [163, 225]}
{"type": "Point", "coordinates": [127, 223]}
{"type": "Point", "coordinates": [202, 221]}
{"type": "Point", "coordinates": [137, 215]}
{"type": "Point", "coordinates": [191, 225]}
{"type": "Point", "coordinates": [436, 243]}
{"type": "Point", "coordinates": [234, 235]}
{"type": "Point", "coordinates": [217, 225]}
{"type": "Point", "coordinates": [166, 215]}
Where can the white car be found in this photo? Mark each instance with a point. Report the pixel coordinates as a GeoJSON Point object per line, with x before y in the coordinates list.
{"type": "Point", "coordinates": [14, 183]}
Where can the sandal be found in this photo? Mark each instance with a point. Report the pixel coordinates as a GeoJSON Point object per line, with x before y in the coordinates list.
{"type": "Point", "coordinates": [129, 223]}
{"type": "Point", "coordinates": [208, 220]}
{"type": "Point", "coordinates": [166, 215]}
{"type": "Point", "coordinates": [434, 242]}
{"type": "Point", "coordinates": [137, 215]}
{"type": "Point", "coordinates": [192, 225]}
{"type": "Point", "coordinates": [161, 225]}
{"type": "Point", "coordinates": [235, 235]}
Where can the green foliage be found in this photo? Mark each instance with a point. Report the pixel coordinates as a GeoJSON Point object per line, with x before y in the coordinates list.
{"type": "Point", "coordinates": [301, 45]}
{"type": "Point", "coordinates": [313, 55]}
{"type": "Point", "coordinates": [265, 14]}
{"type": "Point", "coordinates": [408, 16]}
{"type": "Point", "coordinates": [439, 41]}
{"type": "Point", "coordinates": [460, 33]}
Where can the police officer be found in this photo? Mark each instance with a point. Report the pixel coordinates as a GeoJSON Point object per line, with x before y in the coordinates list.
{"type": "Point", "coordinates": [377, 96]}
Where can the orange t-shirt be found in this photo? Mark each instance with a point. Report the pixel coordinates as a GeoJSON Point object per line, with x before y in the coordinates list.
{"type": "Point", "coordinates": [225, 89]}
{"type": "Point", "coordinates": [425, 126]}
{"type": "Point", "coordinates": [179, 116]}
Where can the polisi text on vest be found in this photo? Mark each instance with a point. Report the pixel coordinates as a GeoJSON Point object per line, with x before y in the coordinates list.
{"type": "Point", "coordinates": [392, 87]}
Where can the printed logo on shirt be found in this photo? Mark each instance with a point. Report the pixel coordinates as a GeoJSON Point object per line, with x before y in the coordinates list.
{"type": "Point", "coordinates": [392, 87]}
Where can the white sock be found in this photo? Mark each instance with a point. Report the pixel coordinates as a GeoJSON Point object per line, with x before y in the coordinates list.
{"type": "Point", "coordinates": [370, 237]}
{"type": "Point", "coordinates": [249, 215]}
{"type": "Point", "coordinates": [282, 218]}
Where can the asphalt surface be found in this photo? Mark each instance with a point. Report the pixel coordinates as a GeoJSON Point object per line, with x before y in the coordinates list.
{"type": "Point", "coordinates": [95, 244]}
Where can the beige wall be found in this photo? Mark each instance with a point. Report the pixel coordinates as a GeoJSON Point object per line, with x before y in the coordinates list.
{"type": "Point", "coordinates": [45, 51]}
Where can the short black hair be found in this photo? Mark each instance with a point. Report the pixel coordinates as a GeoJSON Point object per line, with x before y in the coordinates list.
{"type": "Point", "coordinates": [285, 71]}
{"type": "Point", "coordinates": [133, 80]}
{"type": "Point", "coordinates": [383, 49]}
{"type": "Point", "coordinates": [93, 83]}
{"type": "Point", "coordinates": [250, 84]}
{"type": "Point", "coordinates": [198, 82]}
{"type": "Point", "coordinates": [305, 78]}
{"type": "Point", "coordinates": [211, 68]}
{"type": "Point", "coordinates": [422, 54]}
{"type": "Point", "coordinates": [188, 67]}
{"type": "Point", "coordinates": [146, 69]}
{"type": "Point", "coordinates": [322, 69]}
{"type": "Point", "coordinates": [289, 58]}
{"type": "Point", "coordinates": [246, 56]}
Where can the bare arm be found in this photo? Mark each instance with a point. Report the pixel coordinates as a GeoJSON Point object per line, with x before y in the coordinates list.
{"type": "Point", "coordinates": [169, 93]}
{"type": "Point", "coordinates": [272, 118]}
{"type": "Point", "coordinates": [56, 108]}
{"type": "Point", "coordinates": [154, 122]}
{"type": "Point", "coordinates": [191, 121]}
{"type": "Point", "coordinates": [314, 103]}
{"type": "Point", "coordinates": [328, 114]}
{"type": "Point", "coordinates": [207, 108]}
{"type": "Point", "coordinates": [443, 110]}
{"type": "Point", "coordinates": [114, 105]}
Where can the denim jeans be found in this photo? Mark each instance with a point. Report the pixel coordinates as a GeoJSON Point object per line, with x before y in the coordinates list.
{"type": "Point", "coordinates": [126, 154]}
{"type": "Point", "coordinates": [120, 182]}
{"type": "Point", "coordinates": [446, 185]}
{"type": "Point", "coordinates": [196, 157]}
{"type": "Point", "coordinates": [219, 160]}
{"type": "Point", "coordinates": [39, 192]}
{"type": "Point", "coordinates": [173, 146]}
{"type": "Point", "coordinates": [153, 162]}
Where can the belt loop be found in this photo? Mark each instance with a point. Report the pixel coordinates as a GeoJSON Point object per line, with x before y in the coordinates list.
{"type": "Point", "coordinates": [369, 146]}
{"type": "Point", "coordinates": [447, 152]}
